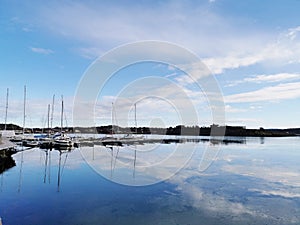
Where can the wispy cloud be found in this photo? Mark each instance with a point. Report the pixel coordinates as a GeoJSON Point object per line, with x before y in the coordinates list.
{"type": "Point", "coordinates": [292, 32]}
{"type": "Point", "coordinates": [263, 78]}
{"type": "Point", "coordinates": [285, 49]}
{"type": "Point", "coordinates": [26, 29]}
{"type": "Point", "coordinates": [271, 93]}
{"type": "Point", "coordinates": [230, 109]}
{"type": "Point", "coordinates": [282, 193]}
{"type": "Point", "coordinates": [43, 51]}
{"type": "Point", "coordinates": [285, 176]}
{"type": "Point", "coordinates": [96, 26]}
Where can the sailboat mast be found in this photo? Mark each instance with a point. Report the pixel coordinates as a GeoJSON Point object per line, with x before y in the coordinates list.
{"type": "Point", "coordinates": [24, 110]}
{"type": "Point", "coordinates": [112, 118]}
{"type": "Point", "coordinates": [48, 119]}
{"type": "Point", "coordinates": [135, 122]}
{"type": "Point", "coordinates": [52, 111]}
{"type": "Point", "coordinates": [6, 108]}
{"type": "Point", "coordinates": [62, 114]}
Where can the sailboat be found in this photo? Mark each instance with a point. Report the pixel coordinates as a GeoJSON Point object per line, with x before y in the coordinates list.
{"type": "Point", "coordinates": [61, 140]}
{"type": "Point", "coordinates": [29, 140]}
{"type": "Point", "coordinates": [112, 140]}
{"type": "Point", "coordinates": [132, 138]}
{"type": "Point", "coordinates": [46, 142]}
{"type": "Point", "coordinates": [7, 133]}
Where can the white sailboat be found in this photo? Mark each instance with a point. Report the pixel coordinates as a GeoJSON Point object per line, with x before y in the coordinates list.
{"type": "Point", "coordinates": [28, 140]}
{"type": "Point", "coordinates": [133, 137]}
{"type": "Point", "coordinates": [62, 140]}
{"type": "Point", "coordinates": [46, 142]}
{"type": "Point", "coordinates": [112, 140]}
{"type": "Point", "coordinates": [7, 133]}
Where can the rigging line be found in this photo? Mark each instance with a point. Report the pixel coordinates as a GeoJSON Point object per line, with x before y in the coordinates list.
{"type": "Point", "coordinates": [44, 120]}
{"type": "Point", "coordinates": [66, 121]}
{"type": "Point", "coordinates": [43, 123]}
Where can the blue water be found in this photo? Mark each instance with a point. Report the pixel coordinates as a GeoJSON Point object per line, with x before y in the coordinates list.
{"type": "Point", "coordinates": [254, 182]}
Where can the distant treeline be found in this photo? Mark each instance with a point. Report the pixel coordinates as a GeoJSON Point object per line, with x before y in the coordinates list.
{"type": "Point", "coordinates": [177, 130]}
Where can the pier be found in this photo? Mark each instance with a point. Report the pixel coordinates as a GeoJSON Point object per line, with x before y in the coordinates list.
{"type": "Point", "coordinates": [5, 144]}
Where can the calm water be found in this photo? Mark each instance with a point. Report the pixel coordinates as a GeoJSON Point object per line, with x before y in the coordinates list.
{"type": "Point", "coordinates": [256, 181]}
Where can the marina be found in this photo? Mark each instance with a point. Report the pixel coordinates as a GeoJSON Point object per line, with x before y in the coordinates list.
{"type": "Point", "coordinates": [60, 141]}
{"type": "Point", "coordinates": [150, 112]}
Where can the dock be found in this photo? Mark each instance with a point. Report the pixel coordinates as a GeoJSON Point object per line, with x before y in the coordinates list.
{"type": "Point", "coordinates": [126, 141]}
{"type": "Point", "coordinates": [6, 145]}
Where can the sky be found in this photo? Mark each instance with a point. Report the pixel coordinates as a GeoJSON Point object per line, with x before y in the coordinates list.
{"type": "Point", "coordinates": [252, 49]}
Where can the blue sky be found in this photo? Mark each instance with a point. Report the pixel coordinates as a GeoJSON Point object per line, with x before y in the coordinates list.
{"type": "Point", "coordinates": [252, 48]}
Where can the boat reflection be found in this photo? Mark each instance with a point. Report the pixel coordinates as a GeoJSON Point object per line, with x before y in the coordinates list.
{"type": "Point", "coordinates": [47, 170]}
{"type": "Point", "coordinates": [114, 153]}
{"type": "Point", "coordinates": [62, 166]}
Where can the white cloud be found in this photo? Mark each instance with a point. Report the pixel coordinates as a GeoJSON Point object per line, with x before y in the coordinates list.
{"type": "Point", "coordinates": [230, 109]}
{"type": "Point", "coordinates": [36, 112]}
{"type": "Point", "coordinates": [219, 64]}
{"type": "Point", "coordinates": [283, 193]}
{"type": "Point", "coordinates": [96, 26]}
{"type": "Point", "coordinates": [267, 78]}
{"type": "Point", "coordinates": [26, 29]}
{"type": "Point", "coordinates": [273, 174]}
{"type": "Point", "coordinates": [89, 53]}
{"type": "Point", "coordinates": [222, 42]}
{"type": "Point", "coordinates": [44, 51]}
{"type": "Point", "coordinates": [271, 93]}
{"type": "Point", "coordinates": [284, 50]}
{"type": "Point", "coordinates": [292, 32]}
{"type": "Point", "coordinates": [273, 78]}
{"type": "Point", "coordinates": [211, 202]}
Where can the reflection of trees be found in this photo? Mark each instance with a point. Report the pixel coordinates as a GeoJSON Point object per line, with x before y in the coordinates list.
{"type": "Point", "coordinates": [262, 140]}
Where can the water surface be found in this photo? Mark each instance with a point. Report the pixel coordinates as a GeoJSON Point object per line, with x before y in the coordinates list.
{"type": "Point", "coordinates": [255, 181]}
